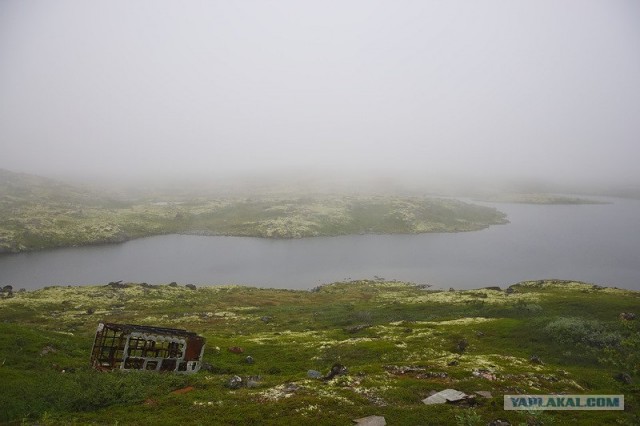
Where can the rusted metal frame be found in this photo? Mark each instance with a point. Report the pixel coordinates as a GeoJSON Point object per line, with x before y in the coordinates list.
{"type": "Point", "coordinates": [175, 347]}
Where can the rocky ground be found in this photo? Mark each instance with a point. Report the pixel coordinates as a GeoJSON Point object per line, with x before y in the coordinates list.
{"type": "Point", "coordinates": [337, 353]}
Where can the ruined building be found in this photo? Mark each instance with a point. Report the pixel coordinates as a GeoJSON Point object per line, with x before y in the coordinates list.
{"type": "Point", "coordinates": [139, 347]}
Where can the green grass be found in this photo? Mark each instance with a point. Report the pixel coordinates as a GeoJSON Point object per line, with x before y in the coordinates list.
{"type": "Point", "coordinates": [46, 336]}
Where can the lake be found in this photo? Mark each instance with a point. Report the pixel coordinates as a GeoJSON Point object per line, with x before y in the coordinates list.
{"type": "Point", "coordinates": [598, 243]}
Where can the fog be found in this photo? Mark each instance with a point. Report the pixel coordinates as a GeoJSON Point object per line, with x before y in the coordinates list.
{"type": "Point", "coordinates": [416, 91]}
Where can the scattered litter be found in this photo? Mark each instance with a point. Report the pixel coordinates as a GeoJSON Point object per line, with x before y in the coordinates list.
{"type": "Point", "coordinates": [432, 375]}
{"type": "Point", "coordinates": [371, 421]}
{"type": "Point", "coordinates": [398, 370]}
{"type": "Point", "coordinates": [485, 374]}
{"type": "Point", "coordinates": [183, 390]}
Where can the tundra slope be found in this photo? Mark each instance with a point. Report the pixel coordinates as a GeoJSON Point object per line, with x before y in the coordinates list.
{"type": "Point", "coordinates": [398, 341]}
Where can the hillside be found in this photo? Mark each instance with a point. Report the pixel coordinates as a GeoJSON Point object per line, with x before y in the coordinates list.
{"type": "Point", "coordinates": [399, 343]}
{"type": "Point", "coordinates": [37, 213]}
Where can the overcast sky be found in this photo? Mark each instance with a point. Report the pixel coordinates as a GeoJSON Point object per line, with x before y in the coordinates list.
{"type": "Point", "coordinates": [516, 88]}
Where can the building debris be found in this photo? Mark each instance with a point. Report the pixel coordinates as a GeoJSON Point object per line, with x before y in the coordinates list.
{"type": "Point", "coordinates": [139, 347]}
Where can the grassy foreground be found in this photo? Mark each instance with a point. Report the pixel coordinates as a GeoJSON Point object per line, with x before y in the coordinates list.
{"type": "Point", "coordinates": [398, 341]}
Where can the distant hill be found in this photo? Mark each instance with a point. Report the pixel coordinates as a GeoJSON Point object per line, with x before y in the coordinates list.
{"type": "Point", "coordinates": [20, 188]}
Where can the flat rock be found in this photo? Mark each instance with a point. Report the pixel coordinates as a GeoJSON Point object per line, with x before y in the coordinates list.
{"type": "Point", "coordinates": [447, 395]}
{"type": "Point", "coordinates": [484, 394]}
{"type": "Point", "coordinates": [371, 421]}
{"type": "Point", "coordinates": [314, 374]}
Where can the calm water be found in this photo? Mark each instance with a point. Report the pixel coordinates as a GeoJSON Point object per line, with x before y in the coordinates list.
{"type": "Point", "coordinates": [593, 243]}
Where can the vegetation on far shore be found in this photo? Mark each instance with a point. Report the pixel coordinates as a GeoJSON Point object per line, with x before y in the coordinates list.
{"type": "Point", "coordinates": [398, 341]}
{"type": "Point", "coordinates": [537, 198]}
{"type": "Point", "coordinates": [37, 213]}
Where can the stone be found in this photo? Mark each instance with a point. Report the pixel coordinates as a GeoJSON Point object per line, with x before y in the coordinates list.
{"type": "Point", "coordinates": [484, 394]}
{"type": "Point", "coordinates": [265, 320]}
{"type": "Point", "coordinates": [355, 328]}
{"type": "Point", "coordinates": [535, 359]}
{"type": "Point", "coordinates": [234, 382]}
{"type": "Point", "coordinates": [371, 421]}
{"type": "Point", "coordinates": [236, 349]}
{"type": "Point", "coordinates": [336, 370]}
{"type": "Point", "coordinates": [190, 286]}
{"type": "Point", "coordinates": [628, 316]}
{"type": "Point", "coordinates": [499, 422]}
{"type": "Point", "coordinates": [447, 395]}
{"type": "Point", "coordinates": [48, 349]}
{"type": "Point", "coordinates": [253, 381]}
{"type": "Point", "coordinates": [433, 375]}
{"type": "Point", "coordinates": [624, 378]}
{"type": "Point", "coordinates": [453, 363]}
{"type": "Point", "coordinates": [314, 374]}
{"type": "Point", "coordinates": [249, 359]}
{"type": "Point", "coordinates": [485, 374]}
{"type": "Point", "coordinates": [462, 345]}
{"type": "Point", "coordinates": [291, 388]}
